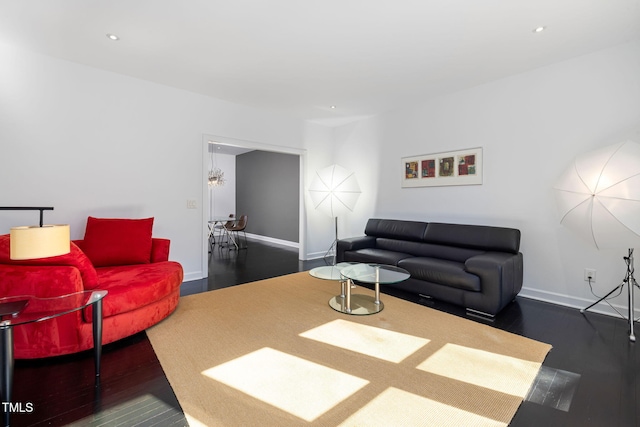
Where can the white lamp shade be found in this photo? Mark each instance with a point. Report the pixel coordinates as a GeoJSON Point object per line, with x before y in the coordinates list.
{"type": "Point", "coordinates": [32, 242]}
{"type": "Point", "coordinates": [599, 196]}
{"type": "Point", "coordinates": [334, 190]}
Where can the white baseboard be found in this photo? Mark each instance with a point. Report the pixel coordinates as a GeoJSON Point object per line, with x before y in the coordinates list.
{"type": "Point", "coordinates": [194, 275]}
{"type": "Point", "coordinates": [273, 240]}
{"type": "Point", "coordinates": [318, 255]}
{"type": "Point", "coordinates": [574, 302]}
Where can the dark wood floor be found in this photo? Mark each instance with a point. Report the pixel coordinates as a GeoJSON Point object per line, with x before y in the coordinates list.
{"type": "Point", "coordinates": [591, 377]}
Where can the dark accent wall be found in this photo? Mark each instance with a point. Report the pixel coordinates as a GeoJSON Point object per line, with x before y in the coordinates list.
{"type": "Point", "coordinates": [268, 191]}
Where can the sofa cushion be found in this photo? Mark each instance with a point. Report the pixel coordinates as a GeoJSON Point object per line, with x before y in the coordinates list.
{"type": "Point", "coordinates": [75, 258]}
{"type": "Point", "coordinates": [132, 287]}
{"type": "Point", "coordinates": [115, 241]}
{"type": "Point", "coordinates": [442, 272]}
{"type": "Point", "coordinates": [378, 256]}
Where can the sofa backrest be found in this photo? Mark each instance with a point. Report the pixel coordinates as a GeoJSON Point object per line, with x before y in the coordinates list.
{"type": "Point", "coordinates": [75, 258]}
{"type": "Point", "coordinates": [483, 237]}
{"type": "Point", "coordinates": [391, 233]}
{"type": "Point", "coordinates": [430, 250]}
{"type": "Point", "coordinates": [396, 229]}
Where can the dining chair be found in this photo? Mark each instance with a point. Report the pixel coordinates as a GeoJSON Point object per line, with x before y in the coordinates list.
{"type": "Point", "coordinates": [241, 225]}
{"type": "Point", "coordinates": [220, 228]}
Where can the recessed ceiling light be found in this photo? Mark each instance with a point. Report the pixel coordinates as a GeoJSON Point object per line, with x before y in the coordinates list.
{"type": "Point", "coordinates": [539, 29]}
{"type": "Point", "coordinates": [113, 37]}
{"type": "Point", "coordinates": [333, 107]}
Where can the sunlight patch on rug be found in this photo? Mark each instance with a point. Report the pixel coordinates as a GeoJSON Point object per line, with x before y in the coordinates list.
{"type": "Point", "coordinates": [375, 342]}
{"type": "Point", "coordinates": [485, 369]}
{"type": "Point", "coordinates": [297, 386]}
{"type": "Point", "coordinates": [395, 407]}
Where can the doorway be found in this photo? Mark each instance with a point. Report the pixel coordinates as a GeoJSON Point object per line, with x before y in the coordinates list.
{"type": "Point", "coordinates": [241, 146]}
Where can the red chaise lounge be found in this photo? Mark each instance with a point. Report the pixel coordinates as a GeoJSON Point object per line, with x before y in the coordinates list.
{"type": "Point", "coordinates": [117, 255]}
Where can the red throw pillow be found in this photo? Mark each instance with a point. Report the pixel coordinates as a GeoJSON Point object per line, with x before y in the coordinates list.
{"type": "Point", "coordinates": [115, 241]}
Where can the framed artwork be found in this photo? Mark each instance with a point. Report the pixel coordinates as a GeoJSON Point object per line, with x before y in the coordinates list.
{"type": "Point", "coordinates": [462, 167]}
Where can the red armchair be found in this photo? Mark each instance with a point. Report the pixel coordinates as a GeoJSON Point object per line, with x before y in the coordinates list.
{"type": "Point", "coordinates": [116, 255]}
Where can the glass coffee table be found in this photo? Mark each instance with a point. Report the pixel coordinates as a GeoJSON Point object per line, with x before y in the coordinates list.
{"type": "Point", "coordinates": [332, 272]}
{"type": "Point", "coordinates": [375, 274]}
{"type": "Point", "coordinates": [24, 309]}
{"type": "Point", "coordinates": [348, 272]}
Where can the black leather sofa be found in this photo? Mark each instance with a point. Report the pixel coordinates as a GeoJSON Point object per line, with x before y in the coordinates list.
{"type": "Point", "coordinates": [474, 266]}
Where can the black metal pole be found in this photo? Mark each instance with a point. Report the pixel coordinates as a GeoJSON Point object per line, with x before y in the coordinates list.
{"type": "Point", "coordinates": [28, 208]}
{"type": "Point", "coordinates": [97, 337]}
{"type": "Point", "coordinates": [6, 378]}
{"type": "Point", "coordinates": [631, 282]}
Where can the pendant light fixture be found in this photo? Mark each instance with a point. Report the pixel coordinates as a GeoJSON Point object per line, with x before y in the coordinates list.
{"type": "Point", "coordinates": [216, 176]}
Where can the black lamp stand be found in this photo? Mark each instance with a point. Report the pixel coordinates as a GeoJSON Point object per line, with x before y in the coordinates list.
{"type": "Point", "coordinates": [630, 281]}
{"type": "Point", "coordinates": [22, 208]}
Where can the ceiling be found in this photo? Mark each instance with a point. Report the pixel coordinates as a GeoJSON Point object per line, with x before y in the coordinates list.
{"type": "Point", "coordinates": [300, 57]}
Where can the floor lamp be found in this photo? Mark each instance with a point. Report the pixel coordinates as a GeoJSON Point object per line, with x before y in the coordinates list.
{"type": "Point", "coordinates": [37, 241]}
{"type": "Point", "coordinates": [27, 242]}
{"type": "Point", "coordinates": [599, 198]}
{"type": "Point", "coordinates": [335, 191]}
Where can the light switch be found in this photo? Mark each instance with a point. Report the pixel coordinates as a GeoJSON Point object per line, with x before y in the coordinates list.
{"type": "Point", "coordinates": [191, 204]}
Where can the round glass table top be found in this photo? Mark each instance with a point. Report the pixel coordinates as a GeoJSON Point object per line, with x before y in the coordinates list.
{"type": "Point", "coordinates": [330, 272]}
{"type": "Point", "coordinates": [375, 273]}
{"type": "Point", "coordinates": [18, 310]}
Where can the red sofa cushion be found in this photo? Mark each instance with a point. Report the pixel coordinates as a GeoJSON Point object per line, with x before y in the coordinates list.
{"type": "Point", "coordinates": [129, 286]}
{"type": "Point", "coordinates": [75, 258]}
{"type": "Point", "coordinates": [116, 241]}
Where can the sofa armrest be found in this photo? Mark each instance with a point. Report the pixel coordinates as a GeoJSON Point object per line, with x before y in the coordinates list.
{"type": "Point", "coordinates": [39, 281]}
{"type": "Point", "coordinates": [160, 249]}
{"type": "Point", "coordinates": [353, 244]}
{"type": "Point", "coordinates": [500, 277]}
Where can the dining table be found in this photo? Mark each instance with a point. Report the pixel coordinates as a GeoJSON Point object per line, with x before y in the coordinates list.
{"type": "Point", "coordinates": [224, 222]}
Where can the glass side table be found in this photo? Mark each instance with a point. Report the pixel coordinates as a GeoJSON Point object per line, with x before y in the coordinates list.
{"type": "Point", "coordinates": [24, 309]}
{"type": "Point", "coordinates": [375, 274]}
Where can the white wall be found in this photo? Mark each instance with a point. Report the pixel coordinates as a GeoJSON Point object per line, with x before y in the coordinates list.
{"type": "Point", "coordinates": [320, 230]}
{"type": "Point", "coordinates": [91, 142]}
{"type": "Point", "coordinates": [530, 126]}
{"type": "Point", "coordinates": [222, 199]}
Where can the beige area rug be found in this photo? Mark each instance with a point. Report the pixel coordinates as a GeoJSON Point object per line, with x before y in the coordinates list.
{"type": "Point", "coordinates": [273, 353]}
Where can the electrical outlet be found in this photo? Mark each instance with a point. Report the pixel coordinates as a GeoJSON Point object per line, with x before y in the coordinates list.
{"type": "Point", "coordinates": [589, 274]}
{"type": "Point", "coordinates": [191, 204]}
